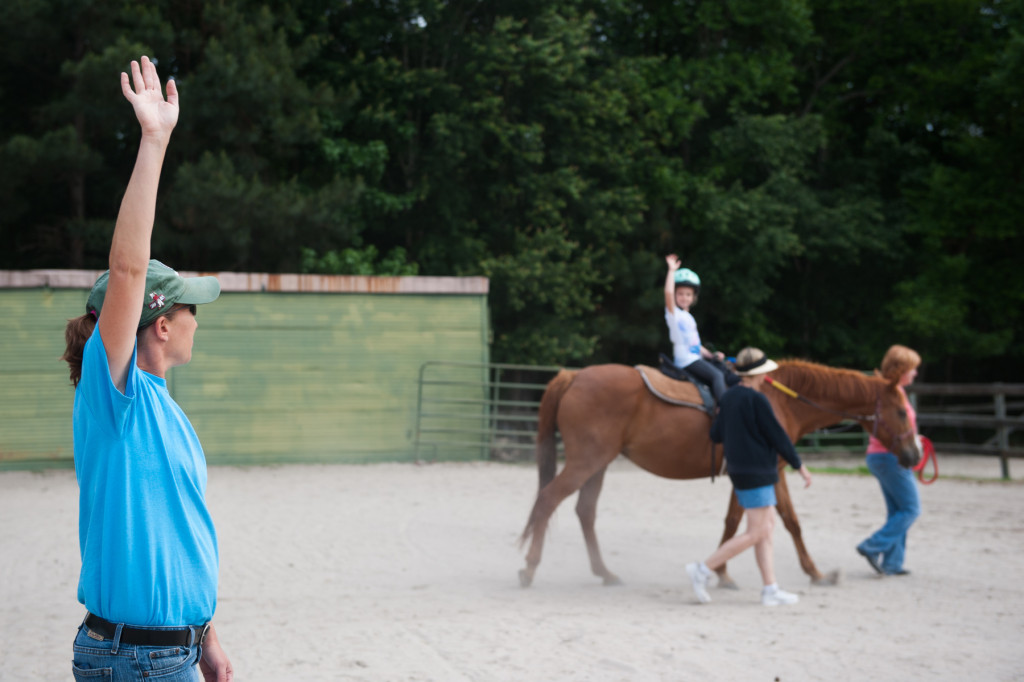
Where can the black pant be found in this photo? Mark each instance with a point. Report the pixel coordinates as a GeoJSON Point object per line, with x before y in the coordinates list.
{"type": "Point", "coordinates": [709, 374]}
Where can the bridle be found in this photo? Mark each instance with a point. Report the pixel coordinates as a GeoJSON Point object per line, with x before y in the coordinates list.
{"type": "Point", "coordinates": [879, 421]}
{"type": "Point", "coordinates": [876, 419]}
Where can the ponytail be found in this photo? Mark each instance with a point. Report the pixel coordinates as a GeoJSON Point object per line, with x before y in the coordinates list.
{"type": "Point", "coordinates": [76, 333]}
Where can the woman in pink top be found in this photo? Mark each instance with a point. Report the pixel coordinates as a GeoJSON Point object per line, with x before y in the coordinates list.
{"type": "Point", "coordinates": [886, 548]}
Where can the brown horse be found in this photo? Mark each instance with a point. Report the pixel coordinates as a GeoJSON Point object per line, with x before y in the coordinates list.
{"type": "Point", "coordinates": [605, 410]}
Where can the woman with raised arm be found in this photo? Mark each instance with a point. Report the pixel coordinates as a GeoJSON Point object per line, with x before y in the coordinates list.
{"type": "Point", "coordinates": [147, 542]}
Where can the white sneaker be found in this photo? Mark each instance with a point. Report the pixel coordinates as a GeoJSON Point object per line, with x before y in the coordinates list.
{"type": "Point", "coordinates": [700, 583]}
{"type": "Point", "coordinates": [778, 597]}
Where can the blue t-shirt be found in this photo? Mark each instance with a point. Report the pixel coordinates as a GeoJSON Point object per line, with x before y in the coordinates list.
{"type": "Point", "coordinates": [148, 546]}
{"type": "Point", "coordinates": [682, 329]}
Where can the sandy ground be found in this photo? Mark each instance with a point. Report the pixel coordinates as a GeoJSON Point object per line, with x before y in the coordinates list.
{"type": "Point", "coordinates": [406, 572]}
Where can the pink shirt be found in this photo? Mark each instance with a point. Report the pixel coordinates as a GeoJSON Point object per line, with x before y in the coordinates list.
{"type": "Point", "coordinates": [875, 445]}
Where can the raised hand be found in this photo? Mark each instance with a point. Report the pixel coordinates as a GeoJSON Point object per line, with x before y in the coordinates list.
{"type": "Point", "coordinates": [133, 231]}
{"type": "Point", "coordinates": [156, 115]}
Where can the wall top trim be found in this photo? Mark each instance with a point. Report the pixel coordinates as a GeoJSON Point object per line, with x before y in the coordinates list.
{"type": "Point", "coordinates": [261, 282]}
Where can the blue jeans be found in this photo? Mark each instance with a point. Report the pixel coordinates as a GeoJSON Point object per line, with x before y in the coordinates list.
{"type": "Point", "coordinates": [902, 505]}
{"type": "Point", "coordinates": [112, 660]}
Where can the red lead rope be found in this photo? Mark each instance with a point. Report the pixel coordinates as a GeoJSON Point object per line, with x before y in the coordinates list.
{"type": "Point", "coordinates": [927, 453]}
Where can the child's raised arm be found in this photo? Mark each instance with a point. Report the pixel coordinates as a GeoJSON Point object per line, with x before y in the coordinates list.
{"type": "Point", "coordinates": [670, 281]}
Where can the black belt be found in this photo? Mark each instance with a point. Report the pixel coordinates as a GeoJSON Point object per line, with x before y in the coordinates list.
{"type": "Point", "coordinates": [145, 636]}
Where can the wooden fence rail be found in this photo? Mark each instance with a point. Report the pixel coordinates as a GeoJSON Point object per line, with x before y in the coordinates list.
{"type": "Point", "coordinates": [996, 388]}
{"type": "Point", "coordinates": [1001, 422]}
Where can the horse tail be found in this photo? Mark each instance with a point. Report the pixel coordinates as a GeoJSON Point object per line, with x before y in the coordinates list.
{"type": "Point", "coordinates": [547, 425]}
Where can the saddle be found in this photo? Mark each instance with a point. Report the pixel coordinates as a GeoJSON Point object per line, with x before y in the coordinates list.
{"type": "Point", "coordinates": [677, 388]}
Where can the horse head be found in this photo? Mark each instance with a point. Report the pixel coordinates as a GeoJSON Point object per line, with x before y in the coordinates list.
{"type": "Point", "coordinates": [823, 393]}
{"type": "Point", "coordinates": [893, 428]}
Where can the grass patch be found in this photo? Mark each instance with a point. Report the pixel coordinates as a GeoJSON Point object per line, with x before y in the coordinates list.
{"type": "Point", "coordinates": [849, 471]}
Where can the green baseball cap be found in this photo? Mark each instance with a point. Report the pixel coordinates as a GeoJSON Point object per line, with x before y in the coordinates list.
{"type": "Point", "coordinates": [164, 288]}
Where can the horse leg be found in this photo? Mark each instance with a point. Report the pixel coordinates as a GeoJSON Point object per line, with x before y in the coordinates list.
{"type": "Point", "coordinates": [784, 504]}
{"type": "Point", "coordinates": [732, 524]}
{"type": "Point", "coordinates": [569, 480]}
{"type": "Point", "coordinates": [586, 510]}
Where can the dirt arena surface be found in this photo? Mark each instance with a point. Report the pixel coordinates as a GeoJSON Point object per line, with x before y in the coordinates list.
{"type": "Point", "coordinates": [409, 573]}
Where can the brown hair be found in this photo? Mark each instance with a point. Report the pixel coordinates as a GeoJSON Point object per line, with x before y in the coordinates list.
{"type": "Point", "coordinates": [76, 333]}
{"type": "Point", "coordinates": [694, 288]}
{"type": "Point", "coordinates": [898, 361]}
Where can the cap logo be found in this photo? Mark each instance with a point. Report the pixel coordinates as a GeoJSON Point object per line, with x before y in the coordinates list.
{"type": "Point", "coordinates": [156, 301]}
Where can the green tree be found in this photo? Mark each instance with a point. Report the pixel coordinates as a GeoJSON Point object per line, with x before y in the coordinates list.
{"type": "Point", "coordinates": [922, 107]}
{"type": "Point", "coordinates": [359, 262]}
{"type": "Point", "coordinates": [511, 138]}
{"type": "Point", "coordinates": [62, 139]}
{"type": "Point", "coordinates": [728, 176]}
{"type": "Point", "coordinates": [842, 174]}
{"type": "Point", "coordinates": [249, 178]}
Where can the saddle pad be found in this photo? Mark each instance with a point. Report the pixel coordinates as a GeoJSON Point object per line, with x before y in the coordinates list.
{"type": "Point", "coordinates": [669, 389]}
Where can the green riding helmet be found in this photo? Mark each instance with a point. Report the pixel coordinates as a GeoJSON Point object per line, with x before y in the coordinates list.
{"type": "Point", "coordinates": [687, 278]}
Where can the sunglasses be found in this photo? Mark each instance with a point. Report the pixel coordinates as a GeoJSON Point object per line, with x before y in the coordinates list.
{"type": "Point", "coordinates": [190, 307]}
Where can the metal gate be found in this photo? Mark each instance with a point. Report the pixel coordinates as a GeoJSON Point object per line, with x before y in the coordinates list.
{"type": "Point", "coordinates": [489, 410]}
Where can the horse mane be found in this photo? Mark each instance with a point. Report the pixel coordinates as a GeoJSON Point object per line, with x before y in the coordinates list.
{"type": "Point", "coordinates": [827, 383]}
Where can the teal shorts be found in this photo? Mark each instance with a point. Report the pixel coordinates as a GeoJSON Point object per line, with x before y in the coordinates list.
{"type": "Point", "coordinates": [757, 497]}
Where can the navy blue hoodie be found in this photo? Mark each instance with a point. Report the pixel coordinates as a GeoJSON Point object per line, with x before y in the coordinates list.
{"type": "Point", "coordinates": [752, 437]}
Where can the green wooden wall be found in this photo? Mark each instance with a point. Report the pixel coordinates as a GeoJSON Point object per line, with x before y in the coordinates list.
{"type": "Point", "coordinates": [275, 376]}
{"type": "Point", "coordinates": [35, 393]}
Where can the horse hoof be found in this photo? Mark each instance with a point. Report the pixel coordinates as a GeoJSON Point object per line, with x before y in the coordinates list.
{"type": "Point", "coordinates": [831, 578]}
{"type": "Point", "coordinates": [525, 578]}
{"type": "Point", "coordinates": [727, 583]}
{"type": "Point", "coordinates": [612, 580]}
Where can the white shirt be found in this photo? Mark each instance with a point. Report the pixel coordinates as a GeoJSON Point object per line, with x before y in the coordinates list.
{"type": "Point", "coordinates": [682, 329]}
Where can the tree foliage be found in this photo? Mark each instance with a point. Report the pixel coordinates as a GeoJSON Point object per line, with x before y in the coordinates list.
{"type": "Point", "coordinates": [843, 174]}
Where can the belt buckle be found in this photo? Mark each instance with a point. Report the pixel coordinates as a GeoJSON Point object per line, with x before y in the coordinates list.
{"type": "Point", "coordinates": [202, 635]}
